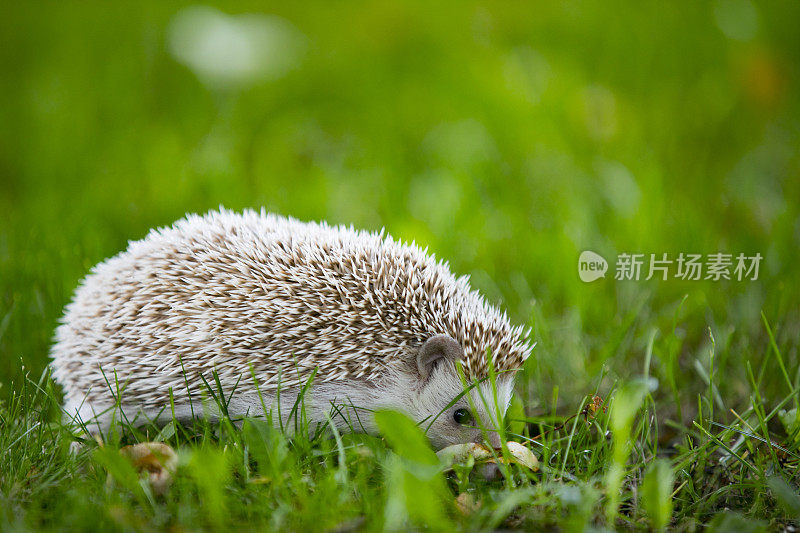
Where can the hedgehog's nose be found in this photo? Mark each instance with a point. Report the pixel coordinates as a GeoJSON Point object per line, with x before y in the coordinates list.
{"type": "Point", "coordinates": [490, 472]}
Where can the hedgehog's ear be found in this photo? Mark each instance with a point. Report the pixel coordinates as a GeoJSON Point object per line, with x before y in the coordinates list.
{"type": "Point", "coordinates": [434, 350]}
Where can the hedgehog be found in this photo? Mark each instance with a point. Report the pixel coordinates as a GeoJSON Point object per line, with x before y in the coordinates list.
{"type": "Point", "coordinates": [265, 310]}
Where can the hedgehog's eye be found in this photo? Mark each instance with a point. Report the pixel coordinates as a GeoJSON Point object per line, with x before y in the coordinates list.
{"type": "Point", "coordinates": [463, 417]}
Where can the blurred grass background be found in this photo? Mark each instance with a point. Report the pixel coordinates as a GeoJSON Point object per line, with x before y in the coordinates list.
{"type": "Point", "coordinates": [506, 137]}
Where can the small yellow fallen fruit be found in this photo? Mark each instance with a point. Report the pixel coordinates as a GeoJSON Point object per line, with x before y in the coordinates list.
{"type": "Point", "coordinates": [154, 460]}
{"type": "Point", "coordinates": [458, 453]}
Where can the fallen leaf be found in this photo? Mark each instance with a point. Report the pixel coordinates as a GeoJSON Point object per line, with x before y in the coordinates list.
{"type": "Point", "coordinates": [458, 453]}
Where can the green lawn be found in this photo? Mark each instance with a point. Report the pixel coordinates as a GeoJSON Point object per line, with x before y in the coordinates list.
{"type": "Point", "coordinates": [507, 139]}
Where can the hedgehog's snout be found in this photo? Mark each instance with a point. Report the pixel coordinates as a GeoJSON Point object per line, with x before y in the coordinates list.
{"type": "Point", "coordinates": [490, 472]}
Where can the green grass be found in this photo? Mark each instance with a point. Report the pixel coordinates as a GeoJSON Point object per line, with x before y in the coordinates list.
{"type": "Point", "coordinates": [507, 139]}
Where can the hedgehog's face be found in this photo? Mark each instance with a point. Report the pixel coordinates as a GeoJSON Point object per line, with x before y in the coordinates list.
{"type": "Point", "coordinates": [458, 423]}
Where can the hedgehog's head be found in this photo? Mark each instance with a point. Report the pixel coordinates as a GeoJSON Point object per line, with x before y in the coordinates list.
{"type": "Point", "coordinates": [473, 419]}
